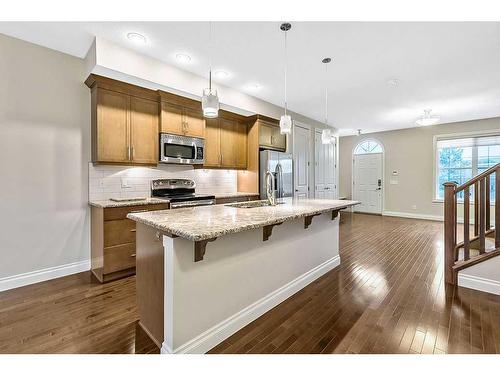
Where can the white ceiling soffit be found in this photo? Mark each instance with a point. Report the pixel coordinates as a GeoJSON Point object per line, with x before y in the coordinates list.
{"type": "Point", "coordinates": [450, 67]}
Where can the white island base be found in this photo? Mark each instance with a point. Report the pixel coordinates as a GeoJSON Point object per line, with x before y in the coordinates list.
{"type": "Point", "coordinates": [240, 278]}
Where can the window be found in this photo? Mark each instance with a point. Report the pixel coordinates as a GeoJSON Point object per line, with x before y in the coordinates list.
{"type": "Point", "coordinates": [368, 147]}
{"type": "Point", "coordinates": [460, 159]}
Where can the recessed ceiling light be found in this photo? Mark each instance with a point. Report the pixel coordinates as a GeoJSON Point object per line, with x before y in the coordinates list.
{"type": "Point", "coordinates": [183, 58]}
{"type": "Point", "coordinates": [393, 82]}
{"type": "Point", "coordinates": [253, 86]}
{"type": "Point", "coordinates": [136, 38]}
{"type": "Point", "coordinates": [221, 74]}
{"type": "Point", "coordinates": [428, 119]}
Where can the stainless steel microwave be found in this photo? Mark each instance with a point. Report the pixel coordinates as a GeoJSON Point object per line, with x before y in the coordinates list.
{"type": "Point", "coordinates": [178, 149]}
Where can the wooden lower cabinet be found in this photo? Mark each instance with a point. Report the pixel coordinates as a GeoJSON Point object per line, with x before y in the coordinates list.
{"type": "Point", "coordinates": [113, 241]}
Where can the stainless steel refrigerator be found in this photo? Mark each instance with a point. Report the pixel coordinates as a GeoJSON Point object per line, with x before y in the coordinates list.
{"type": "Point", "coordinates": [280, 165]}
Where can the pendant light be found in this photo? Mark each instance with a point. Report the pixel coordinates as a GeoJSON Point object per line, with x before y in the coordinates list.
{"type": "Point", "coordinates": [210, 100]}
{"type": "Point", "coordinates": [326, 134]}
{"type": "Point", "coordinates": [285, 120]}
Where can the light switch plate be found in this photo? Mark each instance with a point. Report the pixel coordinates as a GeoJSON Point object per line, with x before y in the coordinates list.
{"type": "Point", "coordinates": [125, 183]}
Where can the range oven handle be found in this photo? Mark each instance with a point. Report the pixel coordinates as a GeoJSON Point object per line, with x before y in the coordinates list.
{"type": "Point", "coordinates": [205, 202]}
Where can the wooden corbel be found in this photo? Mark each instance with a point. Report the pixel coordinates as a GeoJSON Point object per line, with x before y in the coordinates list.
{"type": "Point", "coordinates": [335, 213]}
{"type": "Point", "coordinates": [308, 220]}
{"type": "Point", "coordinates": [200, 248]}
{"type": "Point", "coordinates": [268, 230]}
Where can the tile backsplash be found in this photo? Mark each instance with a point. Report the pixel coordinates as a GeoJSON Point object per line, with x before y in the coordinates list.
{"type": "Point", "coordinates": [109, 181]}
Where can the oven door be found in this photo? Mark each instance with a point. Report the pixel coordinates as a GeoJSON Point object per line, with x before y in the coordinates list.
{"type": "Point", "coordinates": [181, 150]}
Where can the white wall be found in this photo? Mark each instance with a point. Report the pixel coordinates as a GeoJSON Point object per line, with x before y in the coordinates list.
{"type": "Point", "coordinates": [44, 153]}
{"type": "Point", "coordinates": [410, 152]}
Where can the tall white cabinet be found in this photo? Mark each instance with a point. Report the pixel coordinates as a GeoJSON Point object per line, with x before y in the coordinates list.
{"type": "Point", "coordinates": [324, 169]}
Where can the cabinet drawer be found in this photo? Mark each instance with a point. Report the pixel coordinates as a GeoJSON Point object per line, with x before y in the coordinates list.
{"type": "Point", "coordinates": [118, 213]}
{"type": "Point", "coordinates": [119, 258]}
{"type": "Point", "coordinates": [118, 232]}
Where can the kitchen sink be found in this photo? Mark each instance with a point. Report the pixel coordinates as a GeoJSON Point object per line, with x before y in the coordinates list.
{"type": "Point", "coordinates": [251, 204]}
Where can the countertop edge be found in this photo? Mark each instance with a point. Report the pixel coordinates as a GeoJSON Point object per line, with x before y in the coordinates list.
{"type": "Point", "coordinates": [242, 228]}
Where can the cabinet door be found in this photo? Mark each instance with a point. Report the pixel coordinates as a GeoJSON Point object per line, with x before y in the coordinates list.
{"type": "Point", "coordinates": [228, 135]}
{"type": "Point", "coordinates": [212, 143]}
{"type": "Point", "coordinates": [112, 127]}
{"type": "Point", "coordinates": [265, 134]}
{"type": "Point", "coordinates": [278, 140]}
{"type": "Point", "coordinates": [194, 123]}
{"type": "Point", "coordinates": [241, 146]}
{"type": "Point", "coordinates": [144, 131]}
{"type": "Point", "coordinates": [172, 119]}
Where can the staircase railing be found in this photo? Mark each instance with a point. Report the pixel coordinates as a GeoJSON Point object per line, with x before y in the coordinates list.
{"type": "Point", "coordinates": [459, 255]}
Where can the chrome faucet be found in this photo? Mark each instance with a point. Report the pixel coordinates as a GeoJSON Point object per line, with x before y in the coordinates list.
{"type": "Point", "coordinates": [270, 189]}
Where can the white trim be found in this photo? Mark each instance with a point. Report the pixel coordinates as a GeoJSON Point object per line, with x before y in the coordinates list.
{"type": "Point", "coordinates": [479, 283]}
{"type": "Point", "coordinates": [218, 333]}
{"type": "Point", "coordinates": [409, 215]}
{"type": "Point", "coordinates": [16, 281]}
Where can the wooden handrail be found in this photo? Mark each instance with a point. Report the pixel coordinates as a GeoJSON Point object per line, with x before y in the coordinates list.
{"type": "Point", "coordinates": [480, 176]}
{"type": "Point", "coordinates": [482, 226]}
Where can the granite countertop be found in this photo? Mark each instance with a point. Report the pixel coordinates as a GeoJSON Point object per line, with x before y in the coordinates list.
{"type": "Point", "coordinates": [237, 194]}
{"type": "Point", "coordinates": [112, 204]}
{"type": "Point", "coordinates": [205, 222]}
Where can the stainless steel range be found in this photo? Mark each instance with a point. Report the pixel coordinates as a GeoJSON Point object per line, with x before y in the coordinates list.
{"type": "Point", "coordinates": [179, 193]}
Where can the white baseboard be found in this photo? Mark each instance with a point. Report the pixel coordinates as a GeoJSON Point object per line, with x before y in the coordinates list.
{"type": "Point", "coordinates": [413, 215]}
{"type": "Point", "coordinates": [218, 333]}
{"type": "Point", "coordinates": [479, 283]}
{"type": "Point", "coordinates": [45, 274]}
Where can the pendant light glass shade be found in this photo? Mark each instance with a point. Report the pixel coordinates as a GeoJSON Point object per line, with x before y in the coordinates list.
{"type": "Point", "coordinates": [326, 136]}
{"type": "Point", "coordinates": [210, 100]}
{"type": "Point", "coordinates": [210, 103]}
{"type": "Point", "coordinates": [285, 124]}
{"type": "Point", "coordinates": [285, 120]}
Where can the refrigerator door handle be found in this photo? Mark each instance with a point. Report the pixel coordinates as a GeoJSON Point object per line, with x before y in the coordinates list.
{"type": "Point", "coordinates": [279, 175]}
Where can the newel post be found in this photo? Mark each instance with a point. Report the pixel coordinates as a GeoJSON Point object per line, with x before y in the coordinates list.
{"type": "Point", "coordinates": [450, 228]}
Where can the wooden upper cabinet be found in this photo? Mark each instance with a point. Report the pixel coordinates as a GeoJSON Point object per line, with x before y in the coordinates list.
{"type": "Point", "coordinates": [111, 127]}
{"type": "Point", "coordinates": [270, 136]}
{"type": "Point", "coordinates": [143, 131]}
{"type": "Point", "coordinates": [180, 120]}
{"type": "Point", "coordinates": [125, 122]}
{"type": "Point", "coordinates": [225, 144]}
{"type": "Point", "coordinates": [212, 143]}
{"type": "Point", "coordinates": [171, 119]}
{"type": "Point", "coordinates": [194, 123]}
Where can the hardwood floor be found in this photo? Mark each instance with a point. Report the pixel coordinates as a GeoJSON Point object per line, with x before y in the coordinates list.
{"type": "Point", "coordinates": [387, 296]}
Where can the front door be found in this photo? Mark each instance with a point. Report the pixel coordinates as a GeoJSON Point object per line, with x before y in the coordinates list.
{"type": "Point", "coordinates": [367, 182]}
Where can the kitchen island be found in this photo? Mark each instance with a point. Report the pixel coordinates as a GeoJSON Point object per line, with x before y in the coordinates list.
{"type": "Point", "coordinates": [203, 273]}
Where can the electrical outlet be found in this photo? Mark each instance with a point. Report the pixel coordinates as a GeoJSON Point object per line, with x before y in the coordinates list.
{"type": "Point", "coordinates": [414, 207]}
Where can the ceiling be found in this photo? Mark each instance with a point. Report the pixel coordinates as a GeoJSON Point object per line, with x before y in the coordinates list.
{"type": "Point", "coordinates": [451, 68]}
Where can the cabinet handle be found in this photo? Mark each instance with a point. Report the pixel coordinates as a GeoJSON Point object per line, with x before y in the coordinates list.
{"type": "Point", "coordinates": [128, 153]}
{"type": "Point", "coordinates": [221, 158]}
{"type": "Point", "coordinates": [132, 152]}
{"type": "Point", "coordinates": [272, 139]}
{"type": "Point", "coordinates": [132, 256]}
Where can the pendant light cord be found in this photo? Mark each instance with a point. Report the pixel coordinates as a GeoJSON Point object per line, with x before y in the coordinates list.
{"type": "Point", "coordinates": [286, 68]}
{"type": "Point", "coordinates": [210, 56]}
{"type": "Point", "coordinates": [326, 94]}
